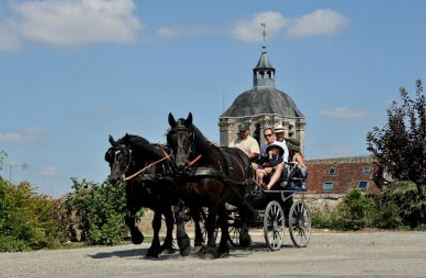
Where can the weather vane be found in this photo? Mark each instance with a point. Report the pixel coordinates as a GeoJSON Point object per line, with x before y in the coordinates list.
{"type": "Point", "coordinates": [263, 24]}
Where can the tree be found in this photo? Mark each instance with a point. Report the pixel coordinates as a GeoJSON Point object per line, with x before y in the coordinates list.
{"type": "Point", "coordinates": [400, 146]}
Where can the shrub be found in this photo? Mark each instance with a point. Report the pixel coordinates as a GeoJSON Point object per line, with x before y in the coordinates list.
{"type": "Point", "coordinates": [26, 219]}
{"type": "Point", "coordinates": [353, 211]}
{"type": "Point", "coordinates": [401, 203]}
{"type": "Point", "coordinates": [98, 211]}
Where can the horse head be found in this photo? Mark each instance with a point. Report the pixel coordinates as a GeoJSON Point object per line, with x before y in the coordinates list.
{"type": "Point", "coordinates": [120, 159]}
{"type": "Point", "coordinates": [180, 140]}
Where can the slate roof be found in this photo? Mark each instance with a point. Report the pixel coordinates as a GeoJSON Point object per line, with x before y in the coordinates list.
{"type": "Point", "coordinates": [264, 62]}
{"type": "Point", "coordinates": [263, 100]}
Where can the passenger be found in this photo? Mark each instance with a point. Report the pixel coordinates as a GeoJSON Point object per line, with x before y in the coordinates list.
{"type": "Point", "coordinates": [269, 135]}
{"type": "Point", "coordinates": [268, 169]}
{"type": "Point", "coordinates": [245, 142]}
{"type": "Point", "coordinates": [299, 169]}
{"type": "Point", "coordinates": [279, 134]}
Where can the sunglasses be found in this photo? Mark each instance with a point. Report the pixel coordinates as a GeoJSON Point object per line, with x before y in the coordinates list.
{"type": "Point", "coordinates": [268, 135]}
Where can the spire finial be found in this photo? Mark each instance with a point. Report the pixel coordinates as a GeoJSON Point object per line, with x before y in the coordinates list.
{"type": "Point", "coordinates": [263, 24]}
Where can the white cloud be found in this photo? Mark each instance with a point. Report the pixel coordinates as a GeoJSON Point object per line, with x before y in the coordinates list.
{"type": "Point", "coordinates": [48, 171]}
{"type": "Point", "coordinates": [317, 23]}
{"type": "Point", "coordinates": [345, 114]}
{"type": "Point", "coordinates": [24, 136]}
{"type": "Point", "coordinates": [167, 33]}
{"type": "Point", "coordinates": [78, 22]}
{"type": "Point", "coordinates": [9, 39]}
{"type": "Point", "coordinates": [251, 30]}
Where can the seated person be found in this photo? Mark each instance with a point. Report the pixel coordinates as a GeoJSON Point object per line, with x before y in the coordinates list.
{"type": "Point", "coordinates": [298, 170]}
{"type": "Point", "coordinates": [269, 135]}
{"type": "Point", "coordinates": [270, 166]}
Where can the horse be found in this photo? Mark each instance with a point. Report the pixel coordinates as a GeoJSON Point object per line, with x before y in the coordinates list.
{"type": "Point", "coordinates": [209, 176]}
{"type": "Point", "coordinates": [150, 188]}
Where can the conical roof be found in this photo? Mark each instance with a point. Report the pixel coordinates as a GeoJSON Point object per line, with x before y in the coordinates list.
{"type": "Point", "coordinates": [264, 62]}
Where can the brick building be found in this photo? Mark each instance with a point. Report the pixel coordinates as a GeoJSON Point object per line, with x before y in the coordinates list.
{"type": "Point", "coordinates": [340, 175]}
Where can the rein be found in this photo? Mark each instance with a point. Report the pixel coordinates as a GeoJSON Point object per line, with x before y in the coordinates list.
{"type": "Point", "coordinates": [195, 160]}
{"type": "Point", "coordinates": [146, 168]}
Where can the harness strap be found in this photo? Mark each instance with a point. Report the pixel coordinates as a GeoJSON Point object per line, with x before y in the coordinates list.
{"type": "Point", "coordinates": [146, 168]}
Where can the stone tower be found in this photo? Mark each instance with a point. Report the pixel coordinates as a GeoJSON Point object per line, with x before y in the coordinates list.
{"type": "Point", "coordinates": [262, 106]}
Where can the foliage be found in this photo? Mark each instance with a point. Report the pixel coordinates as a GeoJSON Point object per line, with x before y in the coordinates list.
{"type": "Point", "coordinates": [400, 146]}
{"type": "Point", "coordinates": [353, 211]}
{"type": "Point", "coordinates": [401, 203]}
{"type": "Point", "coordinates": [26, 219]}
{"type": "Point", "coordinates": [324, 218]}
{"type": "Point", "coordinates": [97, 211]}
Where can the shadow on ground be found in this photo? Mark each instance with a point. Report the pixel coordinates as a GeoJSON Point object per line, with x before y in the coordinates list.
{"type": "Point", "coordinates": [141, 252]}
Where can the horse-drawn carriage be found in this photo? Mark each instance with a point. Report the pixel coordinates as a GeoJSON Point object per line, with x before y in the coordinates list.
{"type": "Point", "coordinates": [194, 175]}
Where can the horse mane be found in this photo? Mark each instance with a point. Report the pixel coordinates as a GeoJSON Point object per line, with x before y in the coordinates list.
{"type": "Point", "coordinates": [141, 145]}
{"type": "Point", "coordinates": [204, 146]}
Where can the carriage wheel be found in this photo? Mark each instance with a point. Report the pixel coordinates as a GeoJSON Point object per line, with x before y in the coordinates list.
{"type": "Point", "coordinates": [274, 225]}
{"type": "Point", "coordinates": [234, 228]}
{"type": "Point", "coordinates": [300, 224]}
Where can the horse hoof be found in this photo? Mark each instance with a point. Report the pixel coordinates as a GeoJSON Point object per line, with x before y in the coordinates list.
{"type": "Point", "coordinates": [151, 255]}
{"type": "Point", "coordinates": [186, 251]}
{"type": "Point", "coordinates": [245, 242]}
{"type": "Point", "coordinates": [197, 248]}
{"type": "Point", "coordinates": [137, 238]}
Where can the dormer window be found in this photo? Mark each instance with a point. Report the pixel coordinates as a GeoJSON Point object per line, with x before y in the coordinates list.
{"type": "Point", "coordinates": [332, 171]}
{"type": "Point", "coordinates": [366, 170]}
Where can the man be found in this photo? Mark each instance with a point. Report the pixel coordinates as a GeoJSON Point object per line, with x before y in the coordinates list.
{"type": "Point", "coordinates": [245, 142]}
{"type": "Point", "coordinates": [279, 134]}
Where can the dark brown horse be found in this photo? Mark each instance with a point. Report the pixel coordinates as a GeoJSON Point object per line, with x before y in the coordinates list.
{"type": "Point", "coordinates": [209, 176]}
{"type": "Point", "coordinates": [151, 189]}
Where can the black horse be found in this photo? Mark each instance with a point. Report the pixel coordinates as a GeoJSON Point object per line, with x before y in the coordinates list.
{"type": "Point", "coordinates": [209, 176]}
{"type": "Point", "coordinates": [152, 188]}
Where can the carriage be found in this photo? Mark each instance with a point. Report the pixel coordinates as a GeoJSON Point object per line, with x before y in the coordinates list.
{"type": "Point", "coordinates": [275, 210]}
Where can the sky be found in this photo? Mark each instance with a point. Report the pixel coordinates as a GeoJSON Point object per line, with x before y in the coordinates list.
{"type": "Point", "coordinates": [74, 71]}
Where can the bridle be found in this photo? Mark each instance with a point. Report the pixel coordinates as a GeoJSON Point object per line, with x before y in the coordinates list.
{"type": "Point", "coordinates": [190, 152]}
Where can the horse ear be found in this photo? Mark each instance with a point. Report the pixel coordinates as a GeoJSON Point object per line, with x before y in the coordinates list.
{"type": "Point", "coordinates": [172, 121]}
{"type": "Point", "coordinates": [189, 119]}
{"type": "Point", "coordinates": [111, 140]}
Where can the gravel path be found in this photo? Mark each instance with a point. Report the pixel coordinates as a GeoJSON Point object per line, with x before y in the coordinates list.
{"type": "Point", "coordinates": [367, 254]}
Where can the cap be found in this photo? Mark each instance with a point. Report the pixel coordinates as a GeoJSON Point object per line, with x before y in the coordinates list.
{"type": "Point", "coordinates": [243, 126]}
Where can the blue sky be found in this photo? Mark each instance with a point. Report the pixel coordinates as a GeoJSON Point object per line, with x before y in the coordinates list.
{"type": "Point", "coordinates": [73, 72]}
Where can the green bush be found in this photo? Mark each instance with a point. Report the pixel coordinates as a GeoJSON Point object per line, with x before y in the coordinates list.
{"type": "Point", "coordinates": [26, 219]}
{"type": "Point", "coordinates": [401, 204]}
{"type": "Point", "coordinates": [97, 210]}
{"type": "Point", "coordinates": [353, 211]}
{"type": "Point", "coordinates": [324, 218]}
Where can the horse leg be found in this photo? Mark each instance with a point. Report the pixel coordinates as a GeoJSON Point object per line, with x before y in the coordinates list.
{"type": "Point", "coordinates": [211, 227]}
{"type": "Point", "coordinates": [154, 250]}
{"type": "Point", "coordinates": [223, 249]}
{"type": "Point", "coordinates": [183, 240]}
{"type": "Point", "coordinates": [246, 213]}
{"type": "Point", "coordinates": [130, 219]}
{"type": "Point", "coordinates": [168, 241]}
{"type": "Point", "coordinates": [199, 240]}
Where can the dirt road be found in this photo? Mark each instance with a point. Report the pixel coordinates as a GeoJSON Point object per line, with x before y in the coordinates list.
{"type": "Point", "coordinates": [367, 254]}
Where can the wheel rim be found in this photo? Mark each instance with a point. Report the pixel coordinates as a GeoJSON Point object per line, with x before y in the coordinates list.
{"type": "Point", "coordinates": [273, 225]}
{"type": "Point", "coordinates": [300, 224]}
